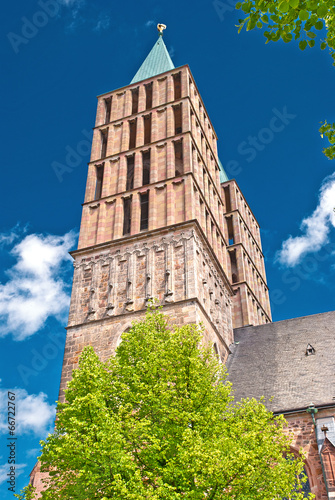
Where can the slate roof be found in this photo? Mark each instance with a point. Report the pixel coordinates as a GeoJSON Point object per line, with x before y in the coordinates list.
{"type": "Point", "coordinates": [157, 61]}
{"type": "Point", "coordinates": [270, 360]}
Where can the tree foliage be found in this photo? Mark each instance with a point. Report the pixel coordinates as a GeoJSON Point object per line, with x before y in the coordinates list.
{"type": "Point", "coordinates": [300, 20]}
{"type": "Point", "coordinates": [157, 421]}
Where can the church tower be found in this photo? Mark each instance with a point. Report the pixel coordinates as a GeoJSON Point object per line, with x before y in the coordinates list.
{"type": "Point", "coordinates": [161, 220]}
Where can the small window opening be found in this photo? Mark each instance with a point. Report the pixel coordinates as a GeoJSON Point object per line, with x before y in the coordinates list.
{"type": "Point", "coordinates": [230, 227]}
{"type": "Point", "coordinates": [132, 134]}
{"type": "Point", "coordinates": [130, 172]}
{"type": "Point", "coordinates": [100, 177]}
{"type": "Point", "coordinates": [134, 100]}
{"type": "Point", "coordinates": [147, 129]}
{"type": "Point", "coordinates": [233, 264]}
{"type": "Point", "coordinates": [104, 137]}
{"type": "Point", "coordinates": [177, 119]}
{"type": "Point", "coordinates": [144, 211]}
{"type": "Point", "coordinates": [177, 85]}
{"type": "Point", "coordinates": [146, 168]}
{"type": "Point", "coordinates": [126, 215]}
{"type": "Point", "coordinates": [178, 158]}
{"type": "Point", "coordinates": [108, 107]}
{"type": "Point", "coordinates": [227, 198]}
{"type": "Point", "coordinates": [148, 95]}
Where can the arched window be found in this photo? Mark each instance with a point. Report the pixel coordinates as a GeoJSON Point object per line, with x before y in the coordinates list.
{"type": "Point", "coordinates": [305, 487]}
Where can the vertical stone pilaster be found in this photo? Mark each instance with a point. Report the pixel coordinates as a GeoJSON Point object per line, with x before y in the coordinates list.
{"type": "Point", "coordinates": [128, 103]}
{"type": "Point", "coordinates": [185, 91]}
{"type": "Point", "coordinates": [125, 136]}
{"type": "Point", "coordinates": [122, 174]}
{"type": "Point", "coordinates": [135, 214]}
{"type": "Point", "coordinates": [170, 160]}
{"type": "Point", "coordinates": [155, 93]}
{"type": "Point", "coordinates": [170, 201]}
{"type": "Point", "coordinates": [118, 224]}
{"type": "Point", "coordinates": [170, 88]}
{"type": "Point", "coordinates": [153, 164]}
{"type": "Point", "coordinates": [141, 99]}
{"type": "Point", "coordinates": [170, 121]}
{"type": "Point", "coordinates": [152, 209]}
{"type": "Point", "coordinates": [140, 131]}
{"type": "Point", "coordinates": [154, 126]}
{"type": "Point", "coordinates": [138, 170]}
{"type": "Point", "coordinates": [186, 116]}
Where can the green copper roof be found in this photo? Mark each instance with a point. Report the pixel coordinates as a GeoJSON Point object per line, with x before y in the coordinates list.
{"type": "Point", "coordinates": [223, 176]}
{"type": "Point", "coordinates": [158, 61]}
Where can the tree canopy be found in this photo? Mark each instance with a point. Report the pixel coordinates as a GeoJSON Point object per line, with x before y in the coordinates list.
{"type": "Point", "coordinates": [300, 20]}
{"type": "Point", "coordinates": [158, 421]}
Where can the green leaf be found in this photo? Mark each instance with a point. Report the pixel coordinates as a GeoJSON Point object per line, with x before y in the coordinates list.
{"type": "Point", "coordinates": [322, 10]}
{"type": "Point", "coordinates": [311, 34]}
{"type": "Point", "coordinates": [294, 3]}
{"type": "Point", "coordinates": [287, 37]}
{"type": "Point", "coordinates": [312, 5]}
{"type": "Point", "coordinates": [259, 25]}
{"type": "Point", "coordinates": [303, 44]}
{"type": "Point", "coordinates": [323, 45]}
{"type": "Point", "coordinates": [311, 43]}
{"type": "Point", "coordinates": [319, 25]}
{"type": "Point", "coordinates": [284, 6]}
{"type": "Point", "coordinates": [265, 19]}
{"type": "Point", "coordinates": [238, 5]}
{"type": "Point", "coordinates": [246, 7]}
{"type": "Point", "coordinates": [303, 15]}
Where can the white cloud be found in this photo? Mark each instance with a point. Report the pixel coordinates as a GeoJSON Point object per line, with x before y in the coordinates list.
{"type": "Point", "coordinates": [4, 470]}
{"type": "Point", "coordinates": [315, 228]}
{"type": "Point", "coordinates": [150, 23]}
{"type": "Point", "coordinates": [13, 234]}
{"type": "Point", "coordinates": [33, 413]}
{"type": "Point", "coordinates": [35, 289]}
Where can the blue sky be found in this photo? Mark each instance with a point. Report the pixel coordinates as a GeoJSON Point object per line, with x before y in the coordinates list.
{"type": "Point", "coordinates": [51, 76]}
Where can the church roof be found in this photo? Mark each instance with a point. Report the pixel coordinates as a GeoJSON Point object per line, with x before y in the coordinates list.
{"type": "Point", "coordinates": [291, 361]}
{"type": "Point", "coordinates": [157, 61]}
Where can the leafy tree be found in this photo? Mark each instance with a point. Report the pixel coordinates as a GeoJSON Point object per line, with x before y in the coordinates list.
{"type": "Point", "coordinates": [158, 422]}
{"type": "Point", "coordinates": [299, 20]}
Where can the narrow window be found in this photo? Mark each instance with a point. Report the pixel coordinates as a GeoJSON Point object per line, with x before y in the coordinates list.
{"type": "Point", "coordinates": [146, 168]}
{"type": "Point", "coordinates": [178, 158]}
{"type": "Point", "coordinates": [147, 129]}
{"type": "Point", "coordinates": [230, 230]}
{"type": "Point", "coordinates": [134, 100]}
{"type": "Point", "coordinates": [132, 134]}
{"type": "Point", "coordinates": [126, 215]}
{"type": "Point", "coordinates": [144, 211]}
{"type": "Point", "coordinates": [130, 172]}
{"type": "Point", "coordinates": [108, 107]}
{"type": "Point", "coordinates": [104, 137]}
{"type": "Point", "coordinates": [177, 85]}
{"type": "Point", "coordinates": [233, 264]}
{"type": "Point", "coordinates": [227, 198]}
{"type": "Point", "coordinates": [177, 119]}
{"type": "Point", "coordinates": [148, 96]}
{"type": "Point", "coordinates": [100, 177]}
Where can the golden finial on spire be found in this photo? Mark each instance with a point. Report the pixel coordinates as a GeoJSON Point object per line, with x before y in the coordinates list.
{"type": "Point", "coordinates": [160, 28]}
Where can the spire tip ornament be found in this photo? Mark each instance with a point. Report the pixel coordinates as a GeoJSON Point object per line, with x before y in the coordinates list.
{"type": "Point", "coordinates": [160, 28]}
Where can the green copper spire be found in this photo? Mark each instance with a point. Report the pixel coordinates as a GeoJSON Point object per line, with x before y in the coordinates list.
{"type": "Point", "coordinates": [223, 176]}
{"type": "Point", "coordinates": [158, 60]}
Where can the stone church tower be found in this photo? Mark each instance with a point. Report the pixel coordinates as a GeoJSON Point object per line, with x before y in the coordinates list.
{"type": "Point", "coordinates": [161, 220]}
